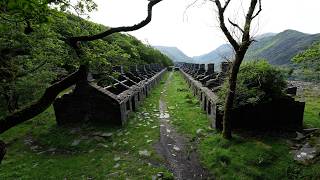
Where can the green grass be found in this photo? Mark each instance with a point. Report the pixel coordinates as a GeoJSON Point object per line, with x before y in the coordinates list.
{"type": "Point", "coordinates": [183, 108]}
{"type": "Point", "coordinates": [244, 157]}
{"type": "Point", "coordinates": [312, 108]}
{"type": "Point", "coordinates": [99, 158]}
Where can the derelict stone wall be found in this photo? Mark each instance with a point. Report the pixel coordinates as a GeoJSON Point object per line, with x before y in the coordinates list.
{"type": "Point", "coordinates": [279, 114]}
{"type": "Point", "coordinates": [89, 102]}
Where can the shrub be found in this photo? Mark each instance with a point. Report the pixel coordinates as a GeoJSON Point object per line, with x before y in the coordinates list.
{"type": "Point", "coordinates": [258, 82]}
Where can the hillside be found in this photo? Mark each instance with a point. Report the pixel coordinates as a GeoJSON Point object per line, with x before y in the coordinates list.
{"type": "Point", "coordinates": [278, 49]}
{"type": "Point", "coordinates": [215, 56]}
{"type": "Point", "coordinates": [175, 54]}
{"type": "Point", "coordinates": [30, 62]}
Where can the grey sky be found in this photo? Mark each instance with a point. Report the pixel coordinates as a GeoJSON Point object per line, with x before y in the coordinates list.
{"type": "Point", "coordinates": [197, 31]}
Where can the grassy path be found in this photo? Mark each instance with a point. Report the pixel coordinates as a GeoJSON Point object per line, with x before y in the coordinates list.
{"type": "Point", "coordinates": [174, 147]}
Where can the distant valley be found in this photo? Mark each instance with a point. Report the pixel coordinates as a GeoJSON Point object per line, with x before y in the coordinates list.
{"type": "Point", "coordinates": [175, 54]}
{"type": "Point", "coordinates": [278, 49]}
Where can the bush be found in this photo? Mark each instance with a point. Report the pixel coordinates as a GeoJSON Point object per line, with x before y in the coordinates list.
{"type": "Point", "coordinates": [258, 82]}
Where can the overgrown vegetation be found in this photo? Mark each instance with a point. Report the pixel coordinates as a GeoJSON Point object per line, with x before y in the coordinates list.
{"type": "Point", "coordinates": [38, 148]}
{"type": "Point", "coordinates": [258, 82]}
{"type": "Point", "coordinates": [308, 64]}
{"type": "Point", "coordinates": [312, 109]}
{"type": "Point", "coordinates": [183, 108]}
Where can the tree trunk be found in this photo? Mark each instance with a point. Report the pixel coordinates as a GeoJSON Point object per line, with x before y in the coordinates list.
{"type": "Point", "coordinates": [2, 150]}
{"type": "Point", "coordinates": [12, 100]}
{"type": "Point", "coordinates": [44, 102]}
{"type": "Point", "coordinates": [228, 106]}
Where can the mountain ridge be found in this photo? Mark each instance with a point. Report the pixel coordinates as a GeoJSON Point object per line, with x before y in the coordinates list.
{"type": "Point", "coordinates": [277, 48]}
{"type": "Point", "coordinates": [174, 53]}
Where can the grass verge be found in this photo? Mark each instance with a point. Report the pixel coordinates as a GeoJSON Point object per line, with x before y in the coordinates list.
{"type": "Point", "coordinates": [312, 108]}
{"type": "Point", "coordinates": [38, 149]}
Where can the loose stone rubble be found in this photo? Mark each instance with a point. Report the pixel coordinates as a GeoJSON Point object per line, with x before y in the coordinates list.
{"type": "Point", "coordinates": [306, 146]}
{"type": "Point", "coordinates": [93, 101]}
{"type": "Point", "coordinates": [279, 114]}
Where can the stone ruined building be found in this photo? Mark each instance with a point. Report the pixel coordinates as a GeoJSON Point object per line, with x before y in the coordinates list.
{"type": "Point", "coordinates": [111, 102]}
{"type": "Point", "coordinates": [280, 114]}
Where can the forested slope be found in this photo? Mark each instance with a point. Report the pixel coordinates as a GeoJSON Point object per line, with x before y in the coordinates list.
{"type": "Point", "coordinates": [31, 60]}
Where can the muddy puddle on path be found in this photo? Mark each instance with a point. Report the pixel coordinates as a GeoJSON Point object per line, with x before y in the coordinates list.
{"type": "Point", "coordinates": [174, 147]}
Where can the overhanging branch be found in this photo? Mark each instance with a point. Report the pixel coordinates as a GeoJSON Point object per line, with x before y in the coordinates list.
{"type": "Point", "coordinates": [223, 27]}
{"type": "Point", "coordinates": [258, 12]}
{"type": "Point", "coordinates": [73, 40]}
{"type": "Point", "coordinates": [236, 25]}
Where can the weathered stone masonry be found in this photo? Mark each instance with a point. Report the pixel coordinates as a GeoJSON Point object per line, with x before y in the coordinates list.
{"type": "Point", "coordinates": [89, 102]}
{"type": "Point", "coordinates": [281, 114]}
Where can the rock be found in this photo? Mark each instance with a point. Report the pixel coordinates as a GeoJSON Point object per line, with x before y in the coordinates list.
{"type": "Point", "coordinates": [117, 158]}
{"type": "Point", "coordinates": [103, 145]}
{"type": "Point", "coordinates": [199, 131]}
{"type": "Point", "coordinates": [52, 149]}
{"type": "Point", "coordinates": [144, 153]}
{"type": "Point", "coordinates": [84, 137]}
{"type": "Point", "coordinates": [74, 130]}
{"type": "Point", "coordinates": [120, 134]}
{"type": "Point", "coordinates": [160, 175]}
{"type": "Point", "coordinates": [98, 138]}
{"type": "Point", "coordinates": [176, 148]}
{"type": "Point", "coordinates": [164, 116]}
{"type": "Point", "coordinates": [116, 165]}
{"type": "Point", "coordinates": [97, 133]}
{"type": "Point", "coordinates": [299, 136]}
{"type": "Point", "coordinates": [115, 174]}
{"type": "Point", "coordinates": [310, 130]}
{"type": "Point", "coordinates": [106, 135]}
{"type": "Point", "coordinates": [76, 142]}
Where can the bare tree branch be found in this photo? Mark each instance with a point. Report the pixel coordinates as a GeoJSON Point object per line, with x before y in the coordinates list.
{"type": "Point", "coordinates": [240, 51]}
{"type": "Point", "coordinates": [189, 6]}
{"type": "Point", "coordinates": [246, 41]}
{"type": "Point", "coordinates": [226, 4]}
{"type": "Point", "coordinates": [223, 27]}
{"type": "Point", "coordinates": [258, 12]}
{"type": "Point", "coordinates": [43, 103]}
{"type": "Point", "coordinates": [73, 40]}
{"type": "Point", "coordinates": [235, 25]}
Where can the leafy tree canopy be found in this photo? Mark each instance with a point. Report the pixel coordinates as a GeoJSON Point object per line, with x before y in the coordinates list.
{"type": "Point", "coordinates": [258, 82]}
{"type": "Point", "coordinates": [30, 62]}
{"type": "Point", "coordinates": [309, 63]}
